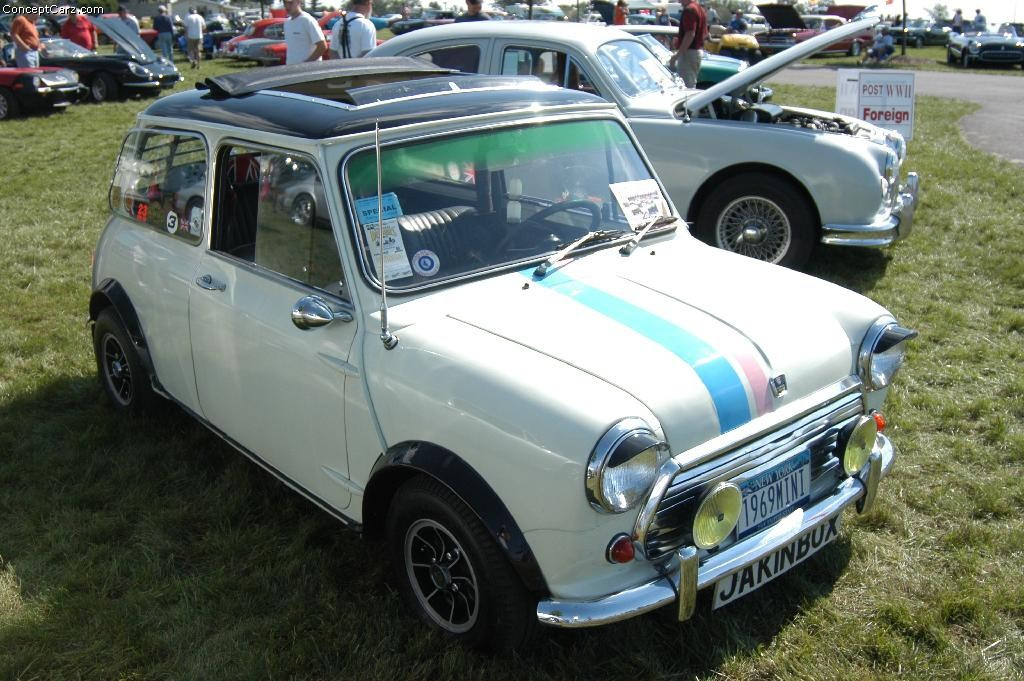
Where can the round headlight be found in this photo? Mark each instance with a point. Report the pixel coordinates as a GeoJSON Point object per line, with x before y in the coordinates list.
{"type": "Point", "coordinates": [859, 443]}
{"type": "Point", "coordinates": [882, 352]}
{"type": "Point", "coordinates": [717, 515]}
{"type": "Point", "coordinates": [624, 465]}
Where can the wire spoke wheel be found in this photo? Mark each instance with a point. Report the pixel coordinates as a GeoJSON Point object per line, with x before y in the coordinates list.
{"type": "Point", "coordinates": [442, 579]}
{"type": "Point", "coordinates": [756, 227]}
{"type": "Point", "coordinates": [117, 371]}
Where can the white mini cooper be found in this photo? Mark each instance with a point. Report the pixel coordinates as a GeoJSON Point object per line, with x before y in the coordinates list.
{"type": "Point", "coordinates": [488, 338]}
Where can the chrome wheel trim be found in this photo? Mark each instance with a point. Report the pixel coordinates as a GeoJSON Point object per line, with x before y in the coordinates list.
{"type": "Point", "coordinates": [98, 90]}
{"type": "Point", "coordinates": [116, 371]}
{"type": "Point", "coordinates": [755, 227]}
{"type": "Point", "coordinates": [302, 210]}
{"type": "Point", "coordinates": [441, 576]}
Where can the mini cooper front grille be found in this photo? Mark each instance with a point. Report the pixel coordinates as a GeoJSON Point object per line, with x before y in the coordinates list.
{"type": "Point", "coordinates": [817, 432]}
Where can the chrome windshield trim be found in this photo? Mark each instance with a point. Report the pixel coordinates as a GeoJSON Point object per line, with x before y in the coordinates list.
{"type": "Point", "coordinates": [750, 434]}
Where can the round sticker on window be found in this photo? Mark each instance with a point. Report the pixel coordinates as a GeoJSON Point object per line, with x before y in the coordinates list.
{"type": "Point", "coordinates": [171, 222]}
{"type": "Point", "coordinates": [425, 263]}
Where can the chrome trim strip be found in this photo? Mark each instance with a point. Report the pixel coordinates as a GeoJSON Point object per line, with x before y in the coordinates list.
{"type": "Point", "coordinates": [661, 591]}
{"type": "Point", "coordinates": [897, 225]}
{"type": "Point", "coordinates": [146, 84]}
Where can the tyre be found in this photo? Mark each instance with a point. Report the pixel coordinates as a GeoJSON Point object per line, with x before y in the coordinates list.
{"type": "Point", "coordinates": [965, 60]}
{"type": "Point", "coordinates": [855, 48]}
{"type": "Point", "coordinates": [103, 88]}
{"type": "Point", "coordinates": [8, 104]}
{"type": "Point", "coordinates": [949, 56]}
{"type": "Point", "coordinates": [303, 210]}
{"type": "Point", "coordinates": [760, 216]}
{"type": "Point", "coordinates": [452, 574]}
{"type": "Point", "coordinates": [122, 375]}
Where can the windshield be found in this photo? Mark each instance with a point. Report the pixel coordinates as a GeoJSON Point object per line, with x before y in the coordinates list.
{"type": "Point", "coordinates": [492, 198]}
{"type": "Point", "coordinates": [634, 69]}
{"type": "Point", "coordinates": [656, 47]}
{"type": "Point", "coordinates": [60, 49]}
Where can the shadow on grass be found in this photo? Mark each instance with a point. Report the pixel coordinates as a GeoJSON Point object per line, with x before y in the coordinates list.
{"type": "Point", "coordinates": [858, 269]}
{"type": "Point", "coordinates": [148, 547]}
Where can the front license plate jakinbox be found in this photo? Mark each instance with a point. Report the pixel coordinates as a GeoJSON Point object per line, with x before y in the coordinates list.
{"type": "Point", "coordinates": [762, 571]}
{"type": "Point", "coordinates": [769, 495]}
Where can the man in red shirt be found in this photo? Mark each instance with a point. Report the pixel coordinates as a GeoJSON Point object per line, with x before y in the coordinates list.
{"type": "Point", "coordinates": [26, 42]}
{"type": "Point", "coordinates": [79, 30]}
{"type": "Point", "coordinates": [693, 30]}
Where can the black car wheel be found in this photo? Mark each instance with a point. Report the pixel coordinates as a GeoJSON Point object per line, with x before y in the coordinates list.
{"type": "Point", "coordinates": [303, 210]}
{"type": "Point", "coordinates": [760, 216]}
{"type": "Point", "coordinates": [103, 87]}
{"type": "Point", "coordinates": [965, 59]}
{"type": "Point", "coordinates": [949, 56]}
{"type": "Point", "coordinates": [121, 372]}
{"type": "Point", "coordinates": [451, 572]}
{"type": "Point", "coordinates": [8, 104]}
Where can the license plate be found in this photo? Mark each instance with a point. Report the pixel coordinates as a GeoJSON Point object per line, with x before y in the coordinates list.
{"type": "Point", "coordinates": [760, 572]}
{"type": "Point", "coordinates": [771, 494]}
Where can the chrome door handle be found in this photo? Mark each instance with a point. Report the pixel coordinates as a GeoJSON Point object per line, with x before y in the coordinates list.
{"type": "Point", "coordinates": [210, 284]}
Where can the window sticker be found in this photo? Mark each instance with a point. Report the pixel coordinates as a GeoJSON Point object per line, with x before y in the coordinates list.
{"type": "Point", "coordinates": [640, 201]}
{"type": "Point", "coordinates": [171, 222]}
{"type": "Point", "coordinates": [142, 212]}
{"type": "Point", "coordinates": [425, 263]}
{"type": "Point", "coordinates": [195, 221]}
{"type": "Point", "coordinates": [396, 262]}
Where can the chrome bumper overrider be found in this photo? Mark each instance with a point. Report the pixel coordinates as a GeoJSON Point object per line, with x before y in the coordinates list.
{"type": "Point", "coordinates": [897, 225]}
{"type": "Point", "coordinates": [685, 575]}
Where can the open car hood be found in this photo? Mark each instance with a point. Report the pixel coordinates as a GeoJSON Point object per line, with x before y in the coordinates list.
{"type": "Point", "coordinates": [781, 16]}
{"type": "Point", "coordinates": [125, 38]}
{"type": "Point", "coordinates": [763, 70]}
{"type": "Point", "coordinates": [847, 12]}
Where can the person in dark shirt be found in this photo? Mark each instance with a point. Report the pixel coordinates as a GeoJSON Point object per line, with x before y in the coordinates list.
{"type": "Point", "coordinates": [473, 12]}
{"type": "Point", "coordinates": [693, 31]}
{"type": "Point", "coordinates": [164, 33]}
{"type": "Point", "coordinates": [737, 24]}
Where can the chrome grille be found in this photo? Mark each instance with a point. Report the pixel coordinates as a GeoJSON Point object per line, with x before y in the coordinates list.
{"type": "Point", "coordinates": [1002, 55]}
{"type": "Point", "coordinates": [817, 432]}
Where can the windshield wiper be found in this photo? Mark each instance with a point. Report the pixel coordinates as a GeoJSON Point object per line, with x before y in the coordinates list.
{"type": "Point", "coordinates": [642, 230]}
{"type": "Point", "coordinates": [589, 237]}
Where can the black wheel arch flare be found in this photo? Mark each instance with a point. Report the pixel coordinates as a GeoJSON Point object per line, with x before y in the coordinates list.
{"type": "Point", "coordinates": [407, 459]}
{"type": "Point", "coordinates": [110, 294]}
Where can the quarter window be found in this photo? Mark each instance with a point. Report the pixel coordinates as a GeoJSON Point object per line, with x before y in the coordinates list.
{"type": "Point", "coordinates": [161, 181]}
{"type": "Point", "coordinates": [551, 66]}
{"type": "Point", "coordinates": [272, 212]}
{"type": "Point", "coordinates": [462, 57]}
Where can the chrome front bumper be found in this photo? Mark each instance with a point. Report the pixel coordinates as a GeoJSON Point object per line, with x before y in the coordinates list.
{"type": "Point", "coordinates": [685, 575]}
{"type": "Point", "coordinates": [897, 225]}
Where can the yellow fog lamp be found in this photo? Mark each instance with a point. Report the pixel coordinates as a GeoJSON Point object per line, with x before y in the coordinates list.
{"type": "Point", "coordinates": [860, 440]}
{"type": "Point", "coordinates": [717, 515]}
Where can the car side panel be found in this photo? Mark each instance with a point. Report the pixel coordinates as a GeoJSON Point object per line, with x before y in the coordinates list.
{"type": "Point", "coordinates": [156, 271]}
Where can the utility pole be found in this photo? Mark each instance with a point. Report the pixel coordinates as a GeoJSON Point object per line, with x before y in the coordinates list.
{"type": "Point", "coordinates": [903, 48]}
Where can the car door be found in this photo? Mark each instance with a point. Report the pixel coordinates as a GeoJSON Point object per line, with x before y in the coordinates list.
{"type": "Point", "coordinates": [273, 388]}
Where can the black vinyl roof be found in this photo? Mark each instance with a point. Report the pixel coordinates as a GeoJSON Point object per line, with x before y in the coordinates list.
{"type": "Point", "coordinates": [328, 99]}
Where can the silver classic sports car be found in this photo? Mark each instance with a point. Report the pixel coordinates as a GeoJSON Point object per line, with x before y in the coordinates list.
{"type": "Point", "coordinates": [759, 179]}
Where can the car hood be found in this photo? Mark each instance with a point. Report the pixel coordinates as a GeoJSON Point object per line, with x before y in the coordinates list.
{"type": "Point", "coordinates": [781, 16]}
{"type": "Point", "coordinates": [766, 68]}
{"type": "Point", "coordinates": [126, 39]}
{"type": "Point", "coordinates": [699, 357]}
{"type": "Point", "coordinates": [847, 12]}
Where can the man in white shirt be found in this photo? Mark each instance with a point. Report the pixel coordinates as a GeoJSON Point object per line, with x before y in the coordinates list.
{"type": "Point", "coordinates": [354, 34]}
{"type": "Point", "coordinates": [194, 26]}
{"type": "Point", "coordinates": [303, 39]}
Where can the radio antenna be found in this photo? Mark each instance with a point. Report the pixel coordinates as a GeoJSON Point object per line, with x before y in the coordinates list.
{"type": "Point", "coordinates": [389, 340]}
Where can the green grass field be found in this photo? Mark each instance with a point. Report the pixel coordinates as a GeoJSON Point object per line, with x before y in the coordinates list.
{"type": "Point", "coordinates": [148, 549]}
{"type": "Point", "coordinates": [930, 58]}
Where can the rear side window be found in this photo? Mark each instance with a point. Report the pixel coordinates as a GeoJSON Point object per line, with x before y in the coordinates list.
{"type": "Point", "coordinates": [160, 181]}
{"type": "Point", "coordinates": [462, 58]}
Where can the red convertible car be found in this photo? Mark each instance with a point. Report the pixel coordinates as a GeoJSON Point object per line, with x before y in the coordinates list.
{"type": "Point", "coordinates": [40, 88]}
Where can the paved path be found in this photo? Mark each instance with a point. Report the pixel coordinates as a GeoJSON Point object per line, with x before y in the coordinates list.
{"type": "Point", "coordinates": [997, 127]}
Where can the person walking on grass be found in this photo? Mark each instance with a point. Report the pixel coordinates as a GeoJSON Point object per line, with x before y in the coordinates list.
{"type": "Point", "coordinates": [194, 27]}
{"type": "Point", "coordinates": [164, 33]}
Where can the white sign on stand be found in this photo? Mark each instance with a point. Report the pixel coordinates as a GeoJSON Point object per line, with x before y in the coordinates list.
{"type": "Point", "coordinates": [884, 98]}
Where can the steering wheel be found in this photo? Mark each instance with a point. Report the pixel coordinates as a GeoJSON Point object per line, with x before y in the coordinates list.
{"type": "Point", "coordinates": [515, 229]}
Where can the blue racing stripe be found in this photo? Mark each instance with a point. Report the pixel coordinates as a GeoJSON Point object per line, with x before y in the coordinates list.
{"type": "Point", "coordinates": [723, 383]}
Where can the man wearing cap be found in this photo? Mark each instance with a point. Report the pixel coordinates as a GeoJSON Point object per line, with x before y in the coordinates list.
{"type": "Point", "coordinates": [164, 33]}
{"type": "Point", "coordinates": [473, 12]}
{"type": "Point", "coordinates": [194, 27]}
{"type": "Point", "coordinates": [129, 20]}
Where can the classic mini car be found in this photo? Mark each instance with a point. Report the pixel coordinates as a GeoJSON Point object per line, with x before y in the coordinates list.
{"type": "Point", "coordinates": [974, 47]}
{"type": "Point", "coordinates": [496, 346]}
{"type": "Point", "coordinates": [108, 75]}
{"type": "Point", "coordinates": [787, 28]}
{"type": "Point", "coordinates": [36, 89]}
{"type": "Point", "coordinates": [760, 179]}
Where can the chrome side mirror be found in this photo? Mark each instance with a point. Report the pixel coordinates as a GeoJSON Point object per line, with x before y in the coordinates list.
{"type": "Point", "coordinates": [312, 312]}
